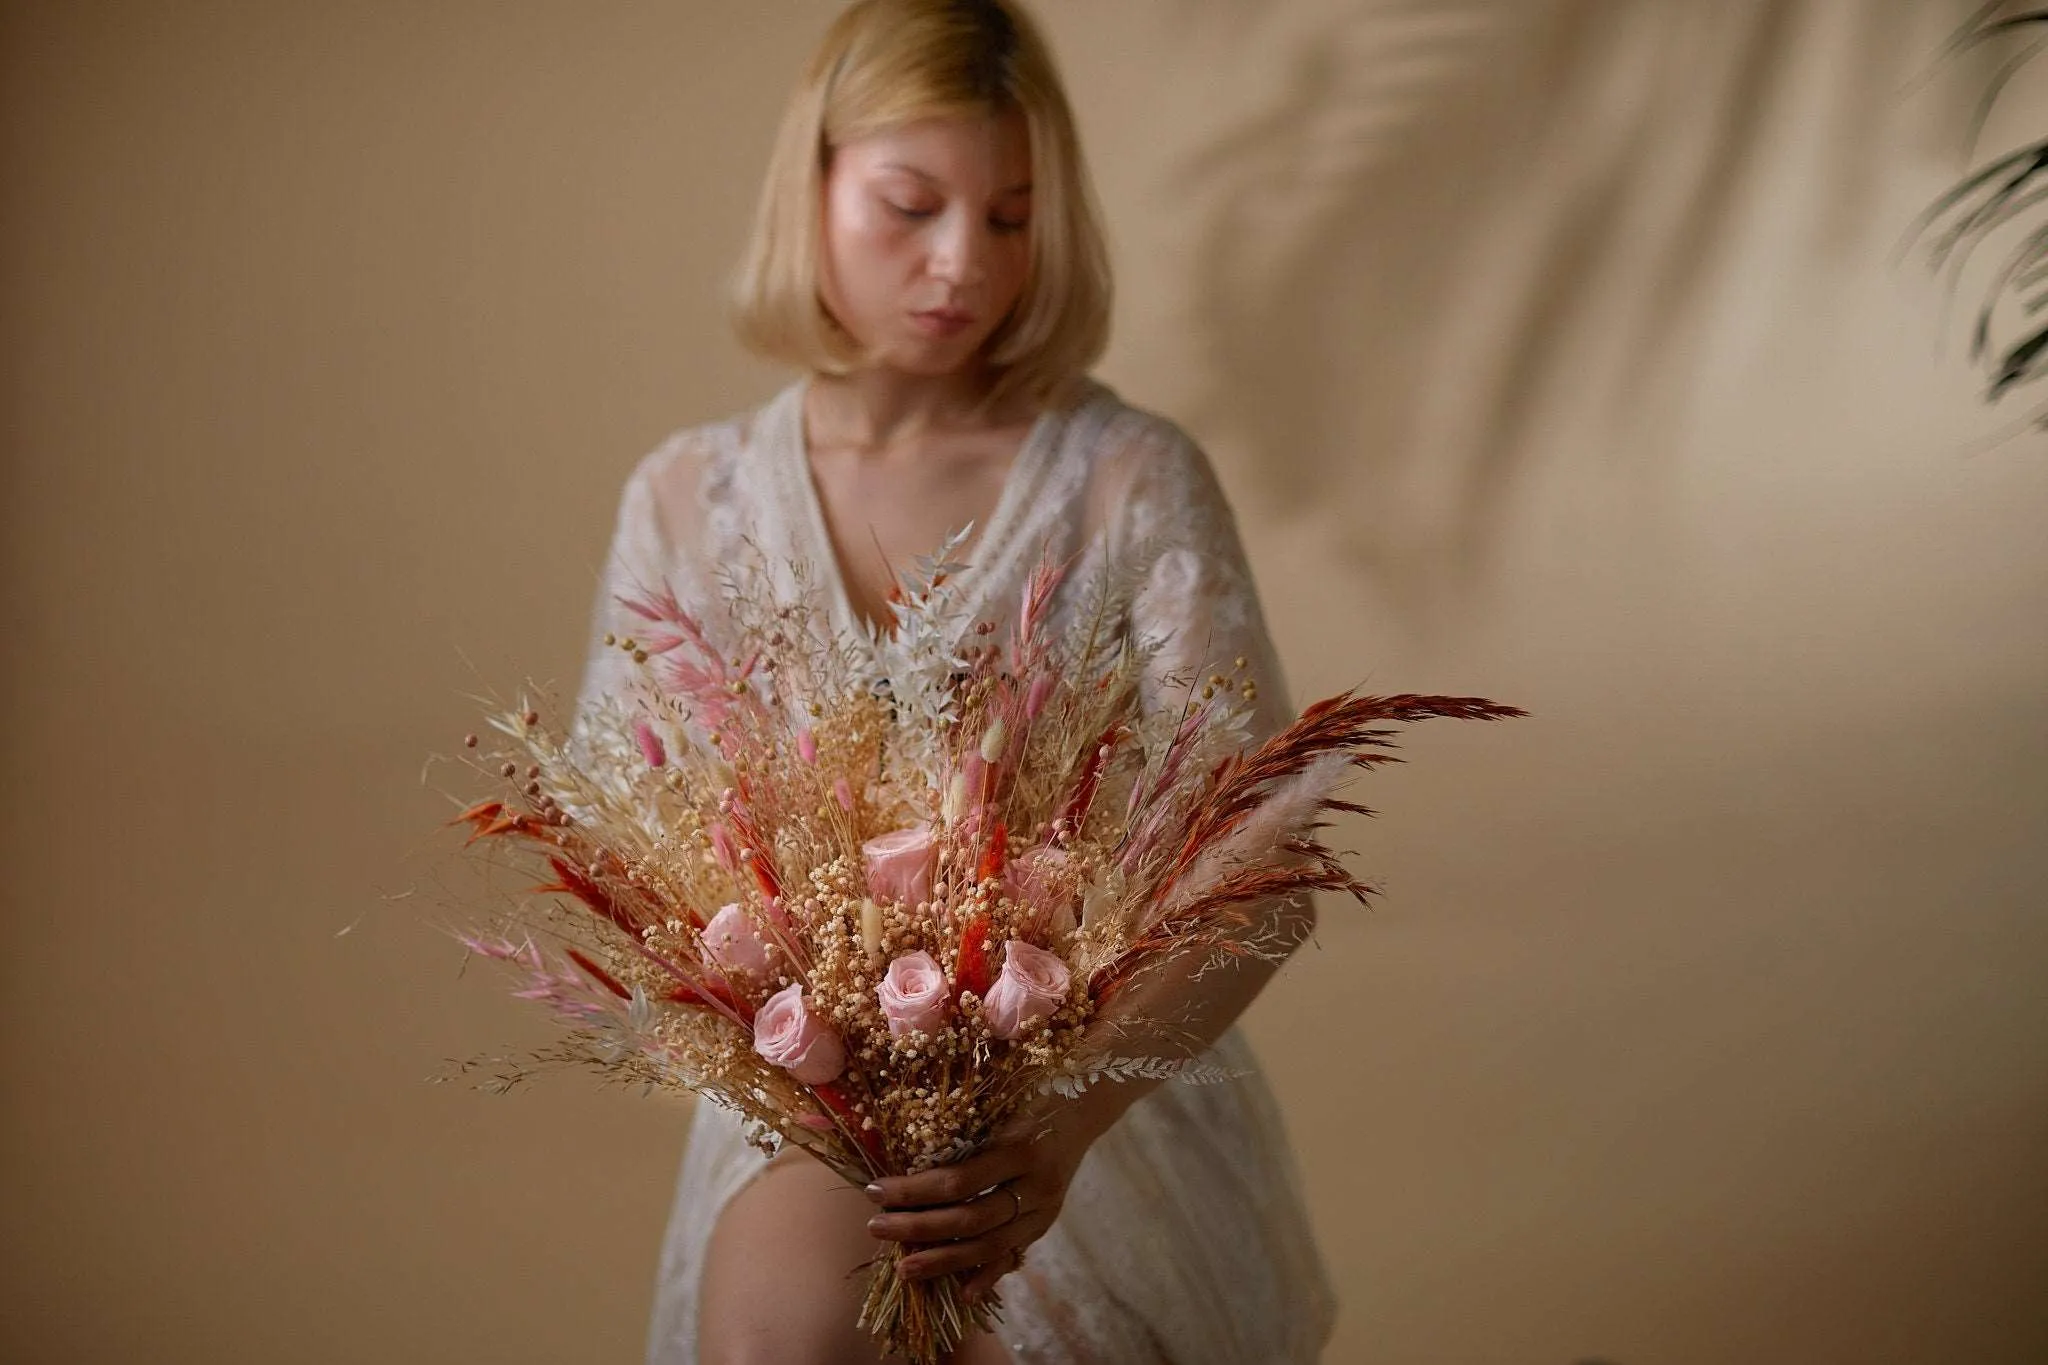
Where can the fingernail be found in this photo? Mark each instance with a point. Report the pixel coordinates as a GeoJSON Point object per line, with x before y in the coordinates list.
{"type": "Point", "coordinates": [875, 1225]}
{"type": "Point", "coordinates": [874, 1192]}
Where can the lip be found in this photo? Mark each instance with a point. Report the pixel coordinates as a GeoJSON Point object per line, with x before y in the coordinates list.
{"type": "Point", "coordinates": [942, 321]}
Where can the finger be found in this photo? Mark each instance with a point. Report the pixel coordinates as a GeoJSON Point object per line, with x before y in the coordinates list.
{"type": "Point", "coordinates": [952, 1258]}
{"type": "Point", "coordinates": [950, 1184]}
{"type": "Point", "coordinates": [987, 1277]}
{"type": "Point", "coordinates": [951, 1222]}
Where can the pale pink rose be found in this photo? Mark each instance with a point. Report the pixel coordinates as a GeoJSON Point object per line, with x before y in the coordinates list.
{"type": "Point", "coordinates": [1032, 985]}
{"type": "Point", "coordinates": [732, 941]}
{"type": "Point", "coordinates": [1041, 878]}
{"type": "Point", "coordinates": [789, 1035]}
{"type": "Point", "coordinates": [900, 864]}
{"type": "Point", "coordinates": [914, 994]}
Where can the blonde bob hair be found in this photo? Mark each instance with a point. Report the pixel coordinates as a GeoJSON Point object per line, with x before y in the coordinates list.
{"type": "Point", "coordinates": [886, 63]}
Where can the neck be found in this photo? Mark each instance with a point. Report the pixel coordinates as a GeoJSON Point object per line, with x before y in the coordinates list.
{"type": "Point", "coordinates": [877, 407]}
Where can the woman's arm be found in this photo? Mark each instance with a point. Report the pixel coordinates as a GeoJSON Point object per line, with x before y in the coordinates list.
{"type": "Point", "coordinates": [634, 560]}
{"type": "Point", "coordinates": [661, 538]}
{"type": "Point", "coordinates": [1175, 1009]}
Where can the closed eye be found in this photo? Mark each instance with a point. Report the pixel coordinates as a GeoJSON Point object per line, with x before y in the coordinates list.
{"type": "Point", "coordinates": [1001, 225]}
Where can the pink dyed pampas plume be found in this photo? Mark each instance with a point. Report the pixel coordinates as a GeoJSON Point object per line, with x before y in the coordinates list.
{"type": "Point", "coordinates": [871, 894]}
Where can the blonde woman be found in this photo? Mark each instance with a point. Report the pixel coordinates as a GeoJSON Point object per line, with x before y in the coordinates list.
{"type": "Point", "coordinates": [928, 258]}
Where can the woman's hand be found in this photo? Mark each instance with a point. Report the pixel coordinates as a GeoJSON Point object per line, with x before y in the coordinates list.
{"type": "Point", "coordinates": [980, 1214]}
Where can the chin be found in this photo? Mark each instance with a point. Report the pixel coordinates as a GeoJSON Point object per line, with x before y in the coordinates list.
{"type": "Point", "coordinates": [930, 360]}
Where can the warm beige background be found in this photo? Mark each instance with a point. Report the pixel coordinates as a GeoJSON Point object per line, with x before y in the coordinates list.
{"type": "Point", "coordinates": [1549, 350]}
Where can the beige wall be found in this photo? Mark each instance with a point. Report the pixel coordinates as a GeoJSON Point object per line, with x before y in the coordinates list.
{"type": "Point", "coordinates": [1548, 349]}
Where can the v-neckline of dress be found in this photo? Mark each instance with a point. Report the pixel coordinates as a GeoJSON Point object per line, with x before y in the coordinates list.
{"type": "Point", "coordinates": [813, 538]}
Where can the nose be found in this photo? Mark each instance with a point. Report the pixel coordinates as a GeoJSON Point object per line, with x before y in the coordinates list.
{"type": "Point", "coordinates": [959, 253]}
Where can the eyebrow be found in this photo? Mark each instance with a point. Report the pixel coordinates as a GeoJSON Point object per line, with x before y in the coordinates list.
{"type": "Point", "coordinates": [931, 179]}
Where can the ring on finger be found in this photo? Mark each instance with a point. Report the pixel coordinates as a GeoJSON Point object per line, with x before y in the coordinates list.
{"type": "Point", "coordinates": [1016, 1203]}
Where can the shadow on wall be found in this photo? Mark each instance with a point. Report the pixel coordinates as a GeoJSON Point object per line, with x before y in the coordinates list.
{"type": "Point", "coordinates": [1467, 225]}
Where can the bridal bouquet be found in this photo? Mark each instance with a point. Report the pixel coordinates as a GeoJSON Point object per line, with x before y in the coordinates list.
{"type": "Point", "coordinates": [869, 894]}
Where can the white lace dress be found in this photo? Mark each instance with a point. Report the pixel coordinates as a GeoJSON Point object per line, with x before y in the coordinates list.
{"type": "Point", "coordinates": [1184, 1238]}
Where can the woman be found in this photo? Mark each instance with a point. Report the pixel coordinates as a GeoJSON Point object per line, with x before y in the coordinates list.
{"type": "Point", "coordinates": [927, 255]}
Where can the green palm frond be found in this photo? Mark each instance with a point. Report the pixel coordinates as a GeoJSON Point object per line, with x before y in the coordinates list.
{"type": "Point", "coordinates": [2006, 192]}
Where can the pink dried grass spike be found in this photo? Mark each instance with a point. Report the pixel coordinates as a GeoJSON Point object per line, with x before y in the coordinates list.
{"type": "Point", "coordinates": [1036, 695]}
{"type": "Point", "coordinates": [705, 682]}
{"type": "Point", "coordinates": [1074, 813]}
{"type": "Point", "coordinates": [1341, 723]}
{"type": "Point", "coordinates": [1036, 602]}
{"type": "Point", "coordinates": [1242, 785]}
{"type": "Point", "coordinates": [650, 744]}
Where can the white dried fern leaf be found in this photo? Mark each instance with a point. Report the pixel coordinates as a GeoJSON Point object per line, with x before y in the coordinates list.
{"type": "Point", "coordinates": [1070, 1082]}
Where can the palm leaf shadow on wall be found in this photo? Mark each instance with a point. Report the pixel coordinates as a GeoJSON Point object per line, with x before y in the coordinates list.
{"type": "Point", "coordinates": [1463, 212]}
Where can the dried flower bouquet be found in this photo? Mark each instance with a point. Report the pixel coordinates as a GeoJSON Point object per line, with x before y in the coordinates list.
{"type": "Point", "coordinates": [870, 894]}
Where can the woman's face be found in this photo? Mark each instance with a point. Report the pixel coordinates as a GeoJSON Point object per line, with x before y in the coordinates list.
{"type": "Point", "coordinates": [927, 238]}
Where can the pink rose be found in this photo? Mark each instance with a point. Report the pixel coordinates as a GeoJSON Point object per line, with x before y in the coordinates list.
{"type": "Point", "coordinates": [914, 994]}
{"type": "Point", "coordinates": [1033, 984]}
{"type": "Point", "coordinates": [732, 941]}
{"type": "Point", "coordinates": [789, 1035]}
{"type": "Point", "coordinates": [900, 864]}
{"type": "Point", "coordinates": [1042, 878]}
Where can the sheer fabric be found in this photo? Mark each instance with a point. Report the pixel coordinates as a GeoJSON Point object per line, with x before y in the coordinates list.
{"type": "Point", "coordinates": [1184, 1237]}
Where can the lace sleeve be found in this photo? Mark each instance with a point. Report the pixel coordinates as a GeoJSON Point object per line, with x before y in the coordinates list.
{"type": "Point", "coordinates": [657, 535]}
{"type": "Point", "coordinates": [1196, 597]}
{"type": "Point", "coordinates": [1197, 590]}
